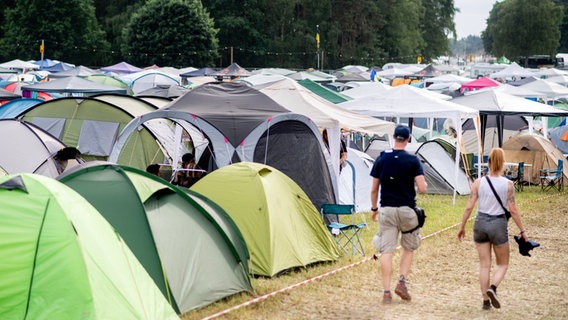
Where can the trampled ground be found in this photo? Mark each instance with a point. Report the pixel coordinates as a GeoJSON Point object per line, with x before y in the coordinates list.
{"type": "Point", "coordinates": [443, 282]}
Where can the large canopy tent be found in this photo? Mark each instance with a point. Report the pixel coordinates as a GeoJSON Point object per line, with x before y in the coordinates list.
{"type": "Point", "coordinates": [19, 65]}
{"type": "Point", "coordinates": [62, 260]}
{"type": "Point", "coordinates": [79, 71]}
{"type": "Point", "coordinates": [240, 123]}
{"type": "Point", "coordinates": [74, 85]}
{"type": "Point", "coordinates": [492, 103]}
{"type": "Point", "coordinates": [191, 248]}
{"type": "Point", "coordinates": [411, 102]}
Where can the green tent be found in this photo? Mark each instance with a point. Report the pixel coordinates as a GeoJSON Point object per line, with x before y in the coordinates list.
{"type": "Point", "coordinates": [190, 247]}
{"type": "Point", "coordinates": [62, 260]}
{"type": "Point", "coordinates": [323, 92]}
{"type": "Point", "coordinates": [92, 126]}
{"type": "Point", "coordinates": [281, 226]}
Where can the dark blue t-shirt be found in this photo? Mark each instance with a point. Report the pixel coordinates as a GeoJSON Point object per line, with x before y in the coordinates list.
{"type": "Point", "coordinates": [396, 170]}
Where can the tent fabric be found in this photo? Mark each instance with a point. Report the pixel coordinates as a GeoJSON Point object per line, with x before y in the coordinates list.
{"type": "Point", "coordinates": [166, 91]}
{"type": "Point", "coordinates": [72, 85]}
{"type": "Point", "coordinates": [535, 150]}
{"type": "Point", "coordinates": [325, 114]}
{"type": "Point", "coordinates": [121, 68]}
{"type": "Point", "coordinates": [323, 92]}
{"type": "Point", "coordinates": [439, 169]}
{"type": "Point", "coordinates": [6, 95]}
{"type": "Point", "coordinates": [190, 248]}
{"type": "Point", "coordinates": [280, 225]}
{"type": "Point", "coordinates": [429, 71]}
{"type": "Point", "coordinates": [482, 82]}
{"type": "Point", "coordinates": [62, 259]}
{"type": "Point", "coordinates": [141, 151]}
{"type": "Point", "coordinates": [79, 71]}
{"type": "Point", "coordinates": [18, 64]}
{"type": "Point", "coordinates": [514, 70]}
{"type": "Point", "coordinates": [354, 182]}
{"type": "Point", "coordinates": [198, 73]}
{"type": "Point", "coordinates": [550, 89]}
{"type": "Point", "coordinates": [15, 107]}
{"type": "Point", "coordinates": [233, 70]}
{"type": "Point", "coordinates": [241, 123]}
{"type": "Point", "coordinates": [29, 148]}
{"type": "Point", "coordinates": [559, 138]}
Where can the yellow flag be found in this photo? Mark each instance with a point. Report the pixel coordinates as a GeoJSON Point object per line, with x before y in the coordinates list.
{"type": "Point", "coordinates": [318, 40]}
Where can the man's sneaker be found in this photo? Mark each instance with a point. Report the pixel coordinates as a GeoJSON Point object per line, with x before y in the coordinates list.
{"type": "Point", "coordinates": [492, 293]}
{"type": "Point", "coordinates": [387, 298]}
{"type": "Point", "coordinates": [402, 291]}
{"type": "Point", "coordinates": [486, 305]}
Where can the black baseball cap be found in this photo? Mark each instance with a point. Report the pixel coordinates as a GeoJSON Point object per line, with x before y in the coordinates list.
{"type": "Point", "coordinates": [401, 132]}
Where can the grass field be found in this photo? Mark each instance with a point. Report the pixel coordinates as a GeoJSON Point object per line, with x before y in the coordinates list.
{"type": "Point", "coordinates": [443, 280]}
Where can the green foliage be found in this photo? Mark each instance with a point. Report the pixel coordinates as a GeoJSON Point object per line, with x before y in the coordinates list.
{"type": "Point", "coordinates": [437, 25]}
{"type": "Point", "coordinates": [523, 27]}
{"type": "Point", "coordinates": [171, 33]}
{"type": "Point", "coordinates": [70, 31]}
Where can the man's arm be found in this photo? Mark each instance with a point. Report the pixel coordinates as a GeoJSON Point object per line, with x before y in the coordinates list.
{"type": "Point", "coordinates": [375, 197]}
{"type": "Point", "coordinates": [421, 183]}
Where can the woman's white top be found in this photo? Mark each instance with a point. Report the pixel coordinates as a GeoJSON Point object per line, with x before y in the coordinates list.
{"type": "Point", "coordinates": [487, 203]}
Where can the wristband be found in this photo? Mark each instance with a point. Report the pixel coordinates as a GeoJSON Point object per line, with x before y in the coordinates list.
{"type": "Point", "coordinates": [374, 209]}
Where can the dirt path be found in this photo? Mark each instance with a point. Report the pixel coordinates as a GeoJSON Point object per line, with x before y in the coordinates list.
{"type": "Point", "coordinates": [444, 281]}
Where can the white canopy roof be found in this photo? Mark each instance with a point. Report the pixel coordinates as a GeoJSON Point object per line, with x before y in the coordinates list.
{"type": "Point", "coordinates": [18, 64]}
{"type": "Point", "coordinates": [449, 78]}
{"type": "Point", "coordinates": [550, 89]}
{"type": "Point", "coordinates": [325, 114]}
{"type": "Point", "coordinates": [408, 101]}
{"type": "Point", "coordinates": [512, 71]}
{"type": "Point", "coordinates": [366, 89]}
{"type": "Point", "coordinates": [498, 102]}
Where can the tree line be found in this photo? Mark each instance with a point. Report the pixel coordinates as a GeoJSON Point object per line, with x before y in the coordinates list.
{"type": "Point", "coordinates": [253, 33]}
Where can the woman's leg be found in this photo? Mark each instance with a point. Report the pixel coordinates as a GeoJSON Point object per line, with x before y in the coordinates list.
{"type": "Point", "coordinates": [502, 263]}
{"type": "Point", "coordinates": [484, 252]}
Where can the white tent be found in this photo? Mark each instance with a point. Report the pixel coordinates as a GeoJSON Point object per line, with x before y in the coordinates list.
{"type": "Point", "coordinates": [355, 182]}
{"type": "Point", "coordinates": [550, 89]}
{"type": "Point", "coordinates": [514, 70]}
{"type": "Point", "coordinates": [449, 78]}
{"type": "Point", "coordinates": [366, 89]}
{"type": "Point", "coordinates": [18, 64]}
{"type": "Point", "coordinates": [408, 101]}
{"type": "Point", "coordinates": [501, 104]}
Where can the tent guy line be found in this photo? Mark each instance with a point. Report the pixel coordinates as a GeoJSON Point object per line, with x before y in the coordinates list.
{"type": "Point", "coordinates": [316, 278]}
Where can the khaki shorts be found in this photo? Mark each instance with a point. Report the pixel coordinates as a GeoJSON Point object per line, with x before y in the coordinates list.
{"type": "Point", "coordinates": [391, 221]}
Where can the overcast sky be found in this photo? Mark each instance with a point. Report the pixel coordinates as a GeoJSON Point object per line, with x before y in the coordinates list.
{"type": "Point", "coordinates": [472, 18]}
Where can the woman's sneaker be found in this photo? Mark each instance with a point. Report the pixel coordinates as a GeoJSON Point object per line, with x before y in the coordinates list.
{"type": "Point", "coordinates": [492, 293]}
{"type": "Point", "coordinates": [387, 298]}
{"type": "Point", "coordinates": [486, 305]}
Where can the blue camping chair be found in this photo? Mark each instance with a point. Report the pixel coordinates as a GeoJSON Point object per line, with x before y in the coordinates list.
{"type": "Point", "coordinates": [346, 235]}
{"type": "Point", "coordinates": [552, 178]}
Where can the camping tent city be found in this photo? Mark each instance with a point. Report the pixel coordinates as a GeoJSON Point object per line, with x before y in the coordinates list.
{"type": "Point", "coordinates": [258, 134]}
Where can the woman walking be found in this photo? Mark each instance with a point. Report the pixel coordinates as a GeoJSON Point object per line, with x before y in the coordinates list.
{"type": "Point", "coordinates": [490, 231]}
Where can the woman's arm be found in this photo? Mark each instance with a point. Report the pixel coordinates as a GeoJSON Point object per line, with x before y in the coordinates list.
{"type": "Point", "coordinates": [473, 196]}
{"type": "Point", "coordinates": [512, 205]}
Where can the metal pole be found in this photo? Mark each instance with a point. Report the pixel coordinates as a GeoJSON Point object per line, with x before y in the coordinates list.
{"type": "Point", "coordinates": [318, 45]}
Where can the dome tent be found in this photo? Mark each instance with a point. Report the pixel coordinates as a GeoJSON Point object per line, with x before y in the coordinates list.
{"type": "Point", "coordinates": [62, 260]}
{"type": "Point", "coordinates": [281, 227]}
{"type": "Point", "coordinates": [190, 247]}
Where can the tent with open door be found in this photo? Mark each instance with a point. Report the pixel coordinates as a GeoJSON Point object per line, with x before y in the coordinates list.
{"type": "Point", "coordinates": [62, 260]}
{"type": "Point", "coordinates": [240, 123]}
{"type": "Point", "coordinates": [189, 246]}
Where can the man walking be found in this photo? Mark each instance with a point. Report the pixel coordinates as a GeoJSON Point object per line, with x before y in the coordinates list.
{"type": "Point", "coordinates": [396, 173]}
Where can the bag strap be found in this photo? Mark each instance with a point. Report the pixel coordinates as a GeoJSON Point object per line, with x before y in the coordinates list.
{"type": "Point", "coordinates": [496, 195]}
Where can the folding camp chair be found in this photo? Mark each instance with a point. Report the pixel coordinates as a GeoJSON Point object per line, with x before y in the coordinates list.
{"type": "Point", "coordinates": [519, 177]}
{"type": "Point", "coordinates": [552, 178]}
{"type": "Point", "coordinates": [346, 235]}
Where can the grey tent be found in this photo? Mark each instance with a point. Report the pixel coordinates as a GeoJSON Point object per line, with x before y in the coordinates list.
{"type": "Point", "coordinates": [242, 124]}
{"type": "Point", "coordinates": [439, 166]}
{"type": "Point", "coordinates": [79, 71]}
{"type": "Point", "coordinates": [73, 85]}
{"type": "Point", "coordinates": [166, 91]}
{"type": "Point", "coordinates": [7, 95]}
{"type": "Point", "coordinates": [189, 245]}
